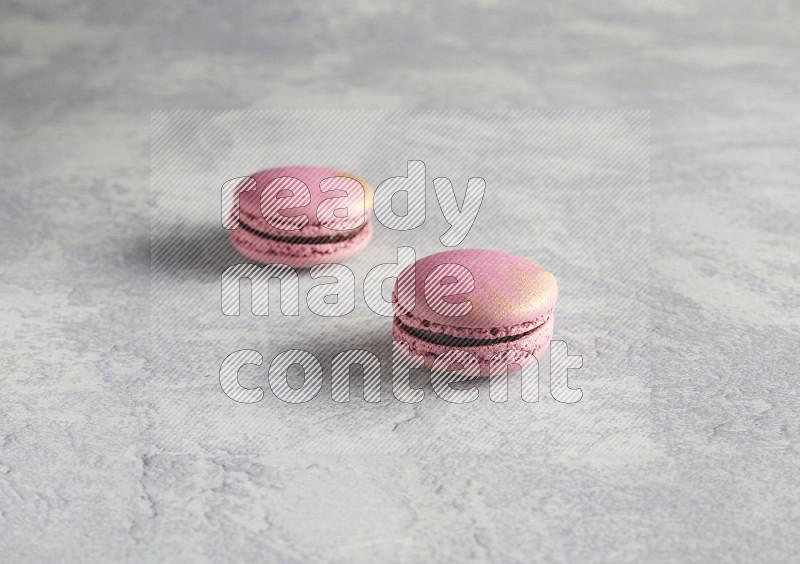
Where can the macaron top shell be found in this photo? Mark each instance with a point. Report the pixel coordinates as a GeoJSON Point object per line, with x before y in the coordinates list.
{"type": "Point", "coordinates": [312, 212]}
{"type": "Point", "coordinates": [510, 295]}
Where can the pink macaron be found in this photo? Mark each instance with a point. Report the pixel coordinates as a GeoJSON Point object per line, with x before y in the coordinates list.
{"type": "Point", "coordinates": [496, 306]}
{"type": "Point", "coordinates": [301, 216]}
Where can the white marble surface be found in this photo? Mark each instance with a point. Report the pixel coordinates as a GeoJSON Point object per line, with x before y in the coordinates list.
{"type": "Point", "coordinates": [100, 460]}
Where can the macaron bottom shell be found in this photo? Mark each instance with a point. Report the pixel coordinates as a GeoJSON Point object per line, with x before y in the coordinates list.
{"type": "Point", "coordinates": [534, 342]}
{"type": "Point", "coordinates": [267, 250]}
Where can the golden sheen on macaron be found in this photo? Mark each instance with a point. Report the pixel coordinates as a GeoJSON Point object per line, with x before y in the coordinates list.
{"type": "Point", "coordinates": [302, 216]}
{"type": "Point", "coordinates": [496, 306]}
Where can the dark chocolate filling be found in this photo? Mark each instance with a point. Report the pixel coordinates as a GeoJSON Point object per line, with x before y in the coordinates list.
{"type": "Point", "coordinates": [458, 342]}
{"type": "Point", "coordinates": [298, 240]}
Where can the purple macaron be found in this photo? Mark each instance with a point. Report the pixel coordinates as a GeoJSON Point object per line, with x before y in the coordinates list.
{"type": "Point", "coordinates": [496, 306]}
{"type": "Point", "coordinates": [302, 216]}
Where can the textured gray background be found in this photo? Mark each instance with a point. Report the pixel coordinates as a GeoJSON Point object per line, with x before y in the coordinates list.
{"type": "Point", "coordinates": [702, 466]}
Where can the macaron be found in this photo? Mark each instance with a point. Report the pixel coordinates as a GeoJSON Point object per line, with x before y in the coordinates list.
{"type": "Point", "coordinates": [497, 306]}
{"type": "Point", "coordinates": [301, 216]}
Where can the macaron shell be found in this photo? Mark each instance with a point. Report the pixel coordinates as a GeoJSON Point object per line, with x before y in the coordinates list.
{"type": "Point", "coordinates": [536, 343]}
{"type": "Point", "coordinates": [268, 251]}
{"type": "Point", "coordinates": [250, 208]}
{"type": "Point", "coordinates": [511, 295]}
